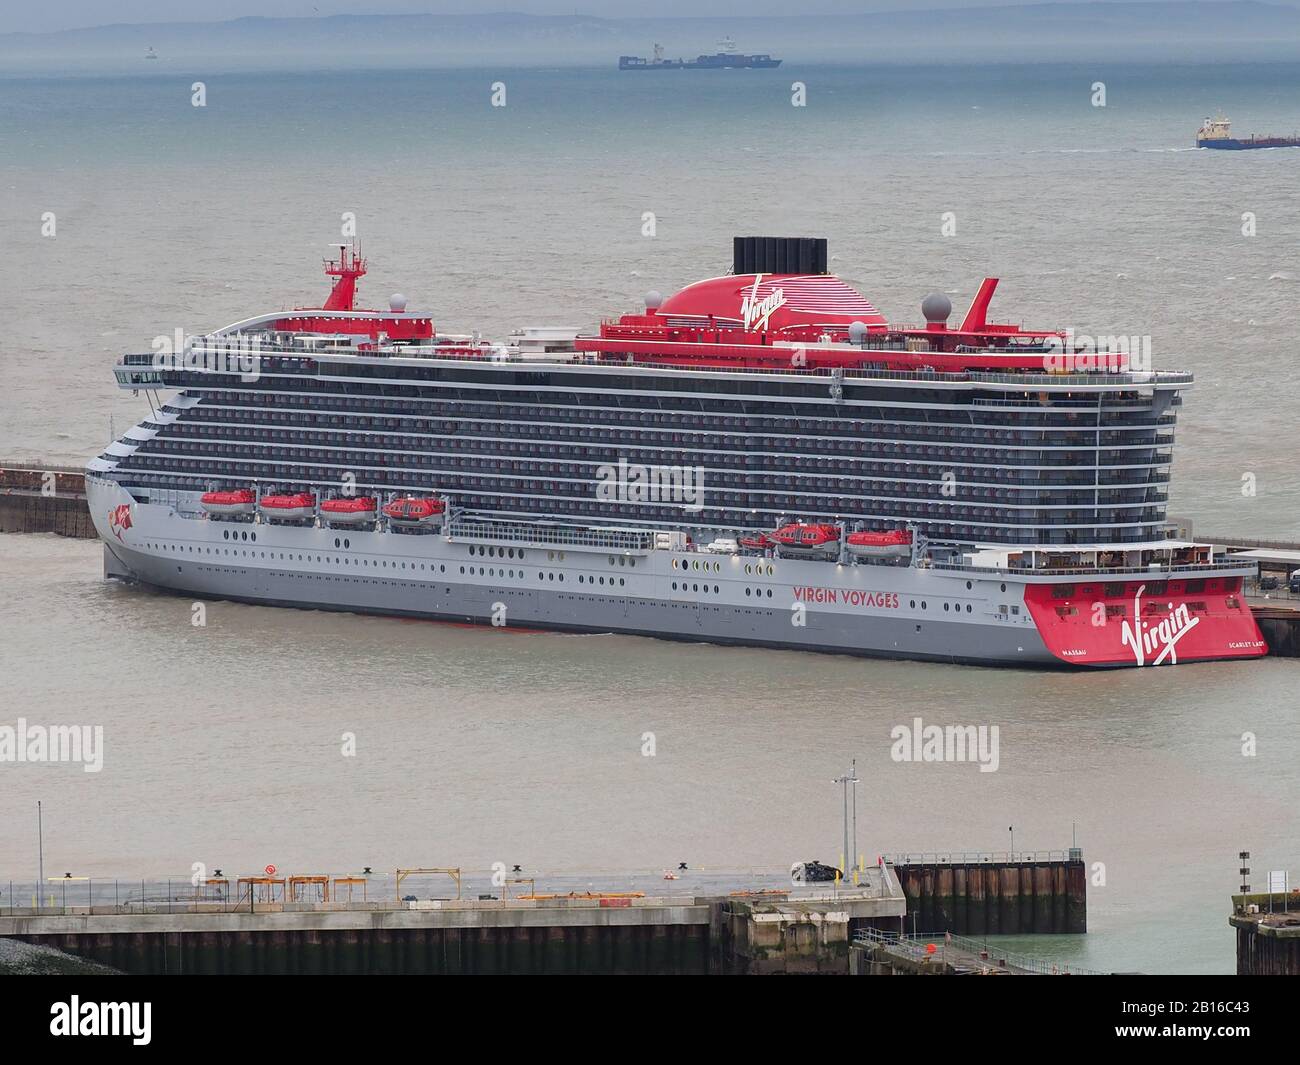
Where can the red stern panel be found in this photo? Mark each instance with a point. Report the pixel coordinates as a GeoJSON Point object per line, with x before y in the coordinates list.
{"type": "Point", "coordinates": [1127, 623]}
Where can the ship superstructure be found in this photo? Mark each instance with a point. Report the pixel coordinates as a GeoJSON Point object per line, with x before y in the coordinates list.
{"type": "Point", "coordinates": [1217, 133]}
{"type": "Point", "coordinates": [761, 458]}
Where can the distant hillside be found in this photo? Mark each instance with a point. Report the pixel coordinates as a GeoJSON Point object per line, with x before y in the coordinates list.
{"type": "Point", "coordinates": [1032, 33]}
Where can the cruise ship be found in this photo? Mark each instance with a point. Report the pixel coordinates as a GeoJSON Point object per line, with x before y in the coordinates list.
{"type": "Point", "coordinates": [759, 459]}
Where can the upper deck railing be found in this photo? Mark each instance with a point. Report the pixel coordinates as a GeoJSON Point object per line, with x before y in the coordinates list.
{"type": "Point", "coordinates": [1089, 571]}
{"type": "Point", "coordinates": [1167, 378]}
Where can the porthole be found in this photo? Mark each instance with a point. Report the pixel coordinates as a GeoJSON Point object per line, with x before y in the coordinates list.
{"type": "Point", "coordinates": [769, 593]}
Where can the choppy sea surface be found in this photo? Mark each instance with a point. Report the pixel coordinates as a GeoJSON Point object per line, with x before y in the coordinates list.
{"type": "Point", "coordinates": [475, 746]}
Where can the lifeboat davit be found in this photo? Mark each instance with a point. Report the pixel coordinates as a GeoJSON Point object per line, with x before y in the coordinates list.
{"type": "Point", "coordinates": [349, 510]}
{"type": "Point", "coordinates": [415, 511]}
{"type": "Point", "coordinates": [229, 504]}
{"type": "Point", "coordinates": [894, 543]}
{"type": "Point", "coordinates": [811, 540]}
{"type": "Point", "coordinates": [298, 506]}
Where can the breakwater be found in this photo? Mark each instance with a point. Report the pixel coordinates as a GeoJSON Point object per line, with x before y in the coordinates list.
{"type": "Point", "coordinates": [994, 894]}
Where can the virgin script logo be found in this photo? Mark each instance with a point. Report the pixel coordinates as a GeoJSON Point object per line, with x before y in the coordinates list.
{"type": "Point", "coordinates": [1146, 639]}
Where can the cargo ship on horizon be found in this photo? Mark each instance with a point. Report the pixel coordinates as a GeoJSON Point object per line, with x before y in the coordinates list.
{"type": "Point", "coordinates": [759, 459]}
{"type": "Point", "coordinates": [1217, 133]}
{"type": "Point", "coordinates": [726, 57]}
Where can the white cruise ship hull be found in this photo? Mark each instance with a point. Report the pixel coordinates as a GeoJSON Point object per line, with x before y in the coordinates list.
{"type": "Point", "coordinates": [882, 611]}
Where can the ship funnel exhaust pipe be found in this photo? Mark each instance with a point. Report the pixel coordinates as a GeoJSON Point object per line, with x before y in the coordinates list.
{"type": "Point", "coordinates": [779, 255]}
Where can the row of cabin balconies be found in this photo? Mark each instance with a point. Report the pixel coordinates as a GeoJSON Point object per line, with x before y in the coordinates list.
{"type": "Point", "coordinates": [615, 424]}
{"type": "Point", "coordinates": [765, 514]}
{"type": "Point", "coordinates": [791, 493]}
{"type": "Point", "coordinates": [285, 391]}
{"type": "Point", "coordinates": [345, 452]}
{"type": "Point", "coordinates": [871, 461]}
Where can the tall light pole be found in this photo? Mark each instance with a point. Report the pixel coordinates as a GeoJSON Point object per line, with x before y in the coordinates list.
{"type": "Point", "coordinates": [40, 850]}
{"type": "Point", "coordinates": [851, 777]}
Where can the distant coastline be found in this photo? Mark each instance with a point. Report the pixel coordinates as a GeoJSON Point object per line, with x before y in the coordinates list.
{"type": "Point", "coordinates": [1216, 30]}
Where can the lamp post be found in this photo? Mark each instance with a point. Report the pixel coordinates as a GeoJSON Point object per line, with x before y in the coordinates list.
{"type": "Point", "coordinates": [40, 850]}
{"type": "Point", "coordinates": [848, 778]}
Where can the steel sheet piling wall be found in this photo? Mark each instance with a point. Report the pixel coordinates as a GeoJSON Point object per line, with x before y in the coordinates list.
{"type": "Point", "coordinates": [995, 897]}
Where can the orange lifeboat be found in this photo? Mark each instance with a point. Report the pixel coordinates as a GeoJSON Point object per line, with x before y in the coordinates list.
{"type": "Point", "coordinates": [813, 541]}
{"type": "Point", "coordinates": [756, 542]}
{"type": "Point", "coordinates": [229, 504]}
{"type": "Point", "coordinates": [415, 511]}
{"type": "Point", "coordinates": [296, 506]}
{"type": "Point", "coordinates": [893, 543]}
{"type": "Point", "coordinates": [349, 510]}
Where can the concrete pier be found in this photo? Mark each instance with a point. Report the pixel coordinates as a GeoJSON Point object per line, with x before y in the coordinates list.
{"type": "Point", "coordinates": [51, 499]}
{"type": "Point", "coordinates": [1268, 934]}
{"type": "Point", "coordinates": [756, 933]}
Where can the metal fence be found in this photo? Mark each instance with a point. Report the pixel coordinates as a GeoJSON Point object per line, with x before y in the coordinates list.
{"type": "Point", "coordinates": [979, 857]}
{"type": "Point", "coordinates": [216, 891]}
{"type": "Point", "coordinates": [965, 954]}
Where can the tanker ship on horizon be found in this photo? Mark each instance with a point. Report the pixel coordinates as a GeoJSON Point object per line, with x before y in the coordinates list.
{"type": "Point", "coordinates": [760, 459]}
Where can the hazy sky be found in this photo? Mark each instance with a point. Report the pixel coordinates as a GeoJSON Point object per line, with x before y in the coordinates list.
{"type": "Point", "coordinates": [22, 15]}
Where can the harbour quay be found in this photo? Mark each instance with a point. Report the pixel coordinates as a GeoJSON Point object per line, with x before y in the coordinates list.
{"type": "Point", "coordinates": [443, 920]}
{"type": "Point", "coordinates": [323, 924]}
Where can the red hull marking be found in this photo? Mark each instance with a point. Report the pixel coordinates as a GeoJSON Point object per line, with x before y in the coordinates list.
{"type": "Point", "coordinates": [1145, 623]}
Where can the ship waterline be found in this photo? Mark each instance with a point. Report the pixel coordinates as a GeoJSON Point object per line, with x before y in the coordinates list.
{"type": "Point", "coordinates": [1024, 509]}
